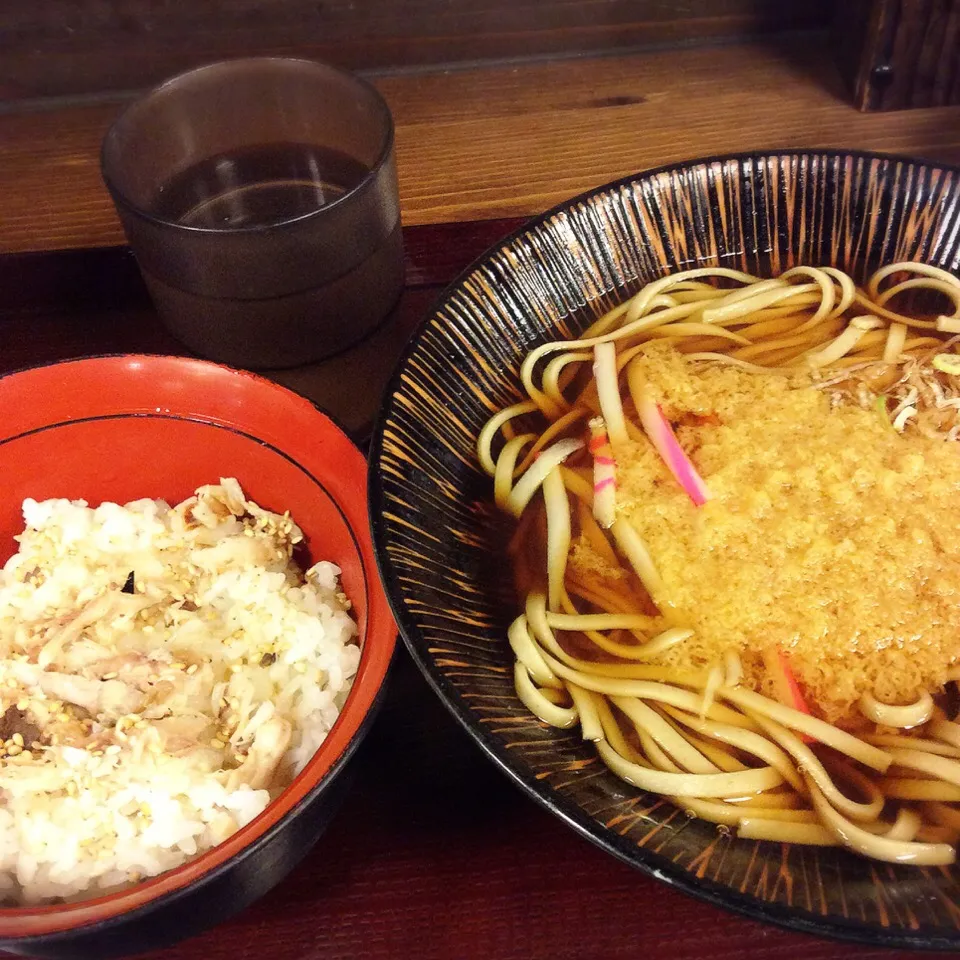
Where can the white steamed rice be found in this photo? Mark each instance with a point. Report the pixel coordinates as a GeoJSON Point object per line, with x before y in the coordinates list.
{"type": "Point", "coordinates": [164, 672]}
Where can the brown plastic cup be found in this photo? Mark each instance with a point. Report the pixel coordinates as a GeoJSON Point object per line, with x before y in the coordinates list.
{"type": "Point", "coordinates": [259, 197]}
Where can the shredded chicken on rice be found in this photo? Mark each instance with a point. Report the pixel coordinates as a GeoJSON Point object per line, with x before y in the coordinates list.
{"type": "Point", "coordinates": [163, 673]}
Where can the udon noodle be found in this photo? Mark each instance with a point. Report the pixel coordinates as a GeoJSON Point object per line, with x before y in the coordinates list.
{"type": "Point", "coordinates": [710, 409]}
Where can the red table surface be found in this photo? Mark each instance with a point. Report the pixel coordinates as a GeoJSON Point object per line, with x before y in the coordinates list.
{"type": "Point", "coordinates": [434, 854]}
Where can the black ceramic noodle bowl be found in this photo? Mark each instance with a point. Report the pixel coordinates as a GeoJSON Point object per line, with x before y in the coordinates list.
{"type": "Point", "coordinates": [440, 541]}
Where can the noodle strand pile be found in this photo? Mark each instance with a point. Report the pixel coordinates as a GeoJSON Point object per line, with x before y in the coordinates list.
{"type": "Point", "coordinates": [762, 759]}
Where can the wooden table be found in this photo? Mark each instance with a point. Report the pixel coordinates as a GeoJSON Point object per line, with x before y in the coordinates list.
{"type": "Point", "coordinates": [511, 139]}
{"type": "Point", "coordinates": [434, 854]}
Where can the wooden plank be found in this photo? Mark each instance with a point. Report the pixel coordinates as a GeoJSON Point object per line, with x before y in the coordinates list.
{"type": "Point", "coordinates": [855, 33]}
{"type": "Point", "coordinates": [513, 140]}
{"type": "Point", "coordinates": [57, 47]}
{"type": "Point", "coordinates": [901, 53]}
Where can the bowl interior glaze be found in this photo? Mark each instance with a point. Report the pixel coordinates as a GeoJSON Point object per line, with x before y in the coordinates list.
{"type": "Point", "coordinates": [440, 542]}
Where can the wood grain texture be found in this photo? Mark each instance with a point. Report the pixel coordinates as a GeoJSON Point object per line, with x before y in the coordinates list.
{"type": "Point", "coordinates": [57, 47]}
{"type": "Point", "coordinates": [901, 53]}
{"type": "Point", "coordinates": [511, 140]}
